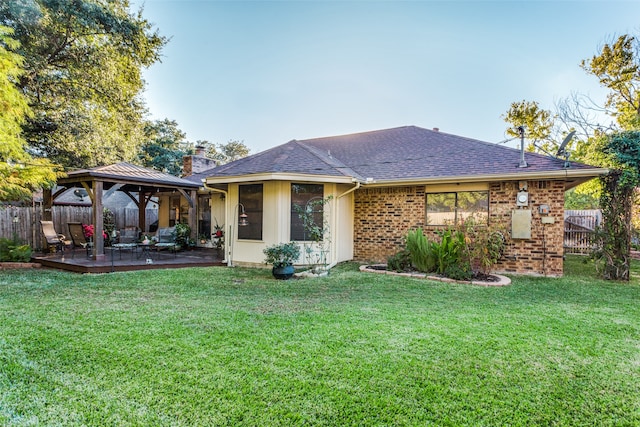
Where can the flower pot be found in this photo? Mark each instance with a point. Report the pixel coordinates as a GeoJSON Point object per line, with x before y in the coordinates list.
{"type": "Point", "coordinates": [283, 273]}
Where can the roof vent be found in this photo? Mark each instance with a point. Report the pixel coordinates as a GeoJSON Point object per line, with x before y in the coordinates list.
{"type": "Point", "coordinates": [436, 129]}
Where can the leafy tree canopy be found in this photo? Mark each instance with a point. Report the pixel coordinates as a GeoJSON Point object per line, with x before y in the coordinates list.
{"type": "Point", "coordinates": [537, 122]}
{"type": "Point", "coordinates": [225, 153]}
{"type": "Point", "coordinates": [83, 61]}
{"type": "Point", "coordinates": [164, 147]}
{"type": "Point", "coordinates": [20, 174]}
{"type": "Point", "coordinates": [617, 67]}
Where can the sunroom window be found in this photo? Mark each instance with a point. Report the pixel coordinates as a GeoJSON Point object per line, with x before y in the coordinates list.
{"type": "Point", "coordinates": [250, 197]}
{"type": "Point", "coordinates": [307, 202]}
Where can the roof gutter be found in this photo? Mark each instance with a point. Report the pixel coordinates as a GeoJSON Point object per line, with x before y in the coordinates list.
{"type": "Point", "coordinates": [334, 244]}
{"type": "Point", "coordinates": [565, 174]}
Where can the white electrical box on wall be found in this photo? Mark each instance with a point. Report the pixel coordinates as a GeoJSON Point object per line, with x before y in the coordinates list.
{"type": "Point", "coordinates": [521, 224]}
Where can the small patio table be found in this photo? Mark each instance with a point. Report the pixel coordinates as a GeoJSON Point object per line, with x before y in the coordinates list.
{"type": "Point", "coordinates": [145, 250]}
{"type": "Point", "coordinates": [123, 246]}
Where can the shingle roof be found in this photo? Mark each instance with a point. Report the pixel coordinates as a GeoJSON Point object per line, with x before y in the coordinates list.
{"type": "Point", "coordinates": [403, 153]}
{"type": "Point", "coordinates": [132, 173]}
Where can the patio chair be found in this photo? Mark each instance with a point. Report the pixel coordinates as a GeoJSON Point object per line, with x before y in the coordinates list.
{"type": "Point", "coordinates": [76, 232]}
{"type": "Point", "coordinates": [53, 238]}
{"type": "Point", "coordinates": [129, 235]}
{"type": "Point", "coordinates": [127, 240]}
{"type": "Point", "coordinates": [166, 239]}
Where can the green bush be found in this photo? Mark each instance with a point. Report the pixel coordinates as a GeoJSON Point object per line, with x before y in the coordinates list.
{"type": "Point", "coordinates": [182, 235]}
{"type": "Point", "coordinates": [400, 261]}
{"type": "Point", "coordinates": [449, 251]}
{"type": "Point", "coordinates": [484, 244]}
{"type": "Point", "coordinates": [421, 251]}
{"type": "Point", "coordinates": [13, 252]}
{"type": "Point", "coordinates": [459, 271]}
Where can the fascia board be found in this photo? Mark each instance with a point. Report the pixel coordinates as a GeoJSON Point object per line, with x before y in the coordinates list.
{"type": "Point", "coordinates": [279, 177]}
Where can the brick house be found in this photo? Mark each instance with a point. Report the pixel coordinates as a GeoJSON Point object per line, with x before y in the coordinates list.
{"type": "Point", "coordinates": [383, 183]}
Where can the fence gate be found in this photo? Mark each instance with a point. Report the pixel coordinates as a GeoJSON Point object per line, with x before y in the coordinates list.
{"type": "Point", "coordinates": [579, 226]}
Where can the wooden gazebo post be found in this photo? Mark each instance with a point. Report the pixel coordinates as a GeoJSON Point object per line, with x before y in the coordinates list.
{"type": "Point", "coordinates": [98, 220]}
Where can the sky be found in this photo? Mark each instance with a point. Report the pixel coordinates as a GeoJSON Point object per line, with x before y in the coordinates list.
{"type": "Point", "coordinates": [267, 72]}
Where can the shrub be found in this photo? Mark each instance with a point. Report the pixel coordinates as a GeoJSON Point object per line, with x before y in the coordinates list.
{"type": "Point", "coordinates": [484, 244]}
{"type": "Point", "coordinates": [449, 251]}
{"type": "Point", "coordinates": [421, 251]}
{"type": "Point", "coordinates": [182, 235]}
{"type": "Point", "coordinates": [459, 271]}
{"type": "Point", "coordinates": [401, 261]}
{"type": "Point", "coordinates": [11, 251]}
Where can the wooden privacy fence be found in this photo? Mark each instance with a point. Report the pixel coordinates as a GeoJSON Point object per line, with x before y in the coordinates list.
{"type": "Point", "coordinates": [24, 222]}
{"type": "Point", "coordinates": [579, 226]}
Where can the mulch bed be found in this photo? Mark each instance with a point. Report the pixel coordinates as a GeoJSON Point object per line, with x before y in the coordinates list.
{"type": "Point", "coordinates": [478, 279]}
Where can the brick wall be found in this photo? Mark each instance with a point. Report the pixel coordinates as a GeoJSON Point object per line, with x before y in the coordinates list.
{"type": "Point", "coordinates": [383, 216]}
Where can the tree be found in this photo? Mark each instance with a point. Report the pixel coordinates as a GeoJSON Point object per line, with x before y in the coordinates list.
{"type": "Point", "coordinates": [20, 174]}
{"type": "Point", "coordinates": [164, 147]}
{"type": "Point", "coordinates": [617, 67]}
{"type": "Point", "coordinates": [83, 61]}
{"type": "Point", "coordinates": [225, 153]}
{"type": "Point", "coordinates": [538, 124]}
{"type": "Point", "coordinates": [622, 151]}
{"type": "Point", "coordinates": [580, 199]}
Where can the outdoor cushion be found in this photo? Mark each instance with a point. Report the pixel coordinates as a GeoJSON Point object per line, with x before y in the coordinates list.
{"type": "Point", "coordinates": [166, 239]}
{"type": "Point", "coordinates": [166, 235]}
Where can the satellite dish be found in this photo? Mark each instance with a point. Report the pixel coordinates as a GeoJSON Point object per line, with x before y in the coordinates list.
{"type": "Point", "coordinates": [561, 149]}
{"type": "Point", "coordinates": [80, 193]}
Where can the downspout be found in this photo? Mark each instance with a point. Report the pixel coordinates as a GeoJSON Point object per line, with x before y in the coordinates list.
{"type": "Point", "coordinates": [334, 250]}
{"type": "Point", "coordinates": [226, 211]}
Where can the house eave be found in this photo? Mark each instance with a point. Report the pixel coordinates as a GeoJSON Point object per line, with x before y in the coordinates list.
{"type": "Point", "coordinates": [572, 176]}
{"type": "Point", "coordinates": [279, 176]}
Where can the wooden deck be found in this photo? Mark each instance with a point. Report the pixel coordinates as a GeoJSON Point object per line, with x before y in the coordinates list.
{"type": "Point", "coordinates": [129, 260]}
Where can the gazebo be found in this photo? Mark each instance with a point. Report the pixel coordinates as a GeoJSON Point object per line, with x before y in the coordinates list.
{"type": "Point", "coordinates": [137, 182]}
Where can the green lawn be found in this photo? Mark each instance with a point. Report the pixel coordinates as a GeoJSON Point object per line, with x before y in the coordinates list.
{"type": "Point", "coordinates": [220, 346]}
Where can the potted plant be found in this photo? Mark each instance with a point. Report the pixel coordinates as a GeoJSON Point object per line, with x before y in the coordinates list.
{"type": "Point", "coordinates": [182, 234]}
{"type": "Point", "coordinates": [281, 257]}
{"type": "Point", "coordinates": [218, 235]}
{"type": "Point", "coordinates": [217, 232]}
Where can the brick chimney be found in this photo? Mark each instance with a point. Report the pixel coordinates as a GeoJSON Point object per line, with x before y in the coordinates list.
{"type": "Point", "coordinates": [197, 163]}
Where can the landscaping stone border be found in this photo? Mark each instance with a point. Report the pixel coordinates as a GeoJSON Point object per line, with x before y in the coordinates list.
{"type": "Point", "coordinates": [16, 265]}
{"type": "Point", "coordinates": [504, 281]}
